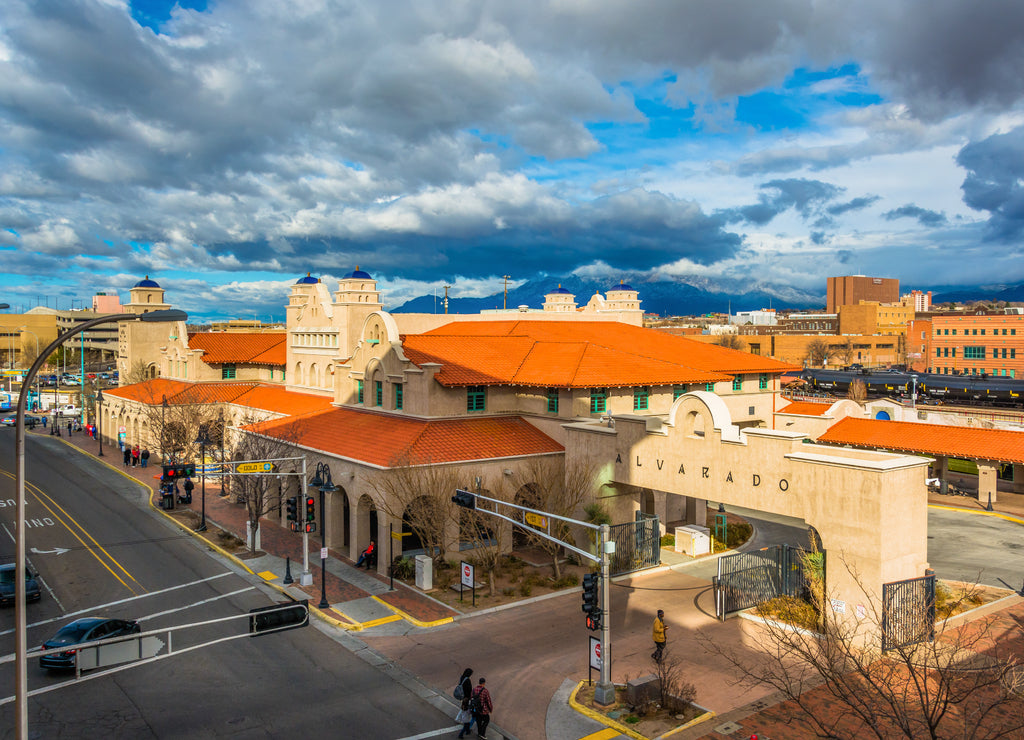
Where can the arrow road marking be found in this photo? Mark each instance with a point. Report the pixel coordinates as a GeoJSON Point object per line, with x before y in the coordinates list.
{"type": "Point", "coordinates": [58, 551]}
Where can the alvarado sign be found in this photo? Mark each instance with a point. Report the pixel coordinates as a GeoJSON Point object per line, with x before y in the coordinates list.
{"type": "Point", "coordinates": [705, 472]}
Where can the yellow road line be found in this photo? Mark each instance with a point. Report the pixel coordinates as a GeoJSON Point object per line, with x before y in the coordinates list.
{"type": "Point", "coordinates": [605, 734]}
{"type": "Point", "coordinates": [1007, 517]}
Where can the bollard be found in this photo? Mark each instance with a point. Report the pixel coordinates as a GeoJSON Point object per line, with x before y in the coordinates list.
{"type": "Point", "coordinates": [287, 572]}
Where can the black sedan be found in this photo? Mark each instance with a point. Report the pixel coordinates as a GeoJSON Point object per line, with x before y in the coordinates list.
{"type": "Point", "coordinates": [87, 629]}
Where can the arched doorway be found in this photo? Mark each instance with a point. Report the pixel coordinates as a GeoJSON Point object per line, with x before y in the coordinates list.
{"type": "Point", "coordinates": [366, 525]}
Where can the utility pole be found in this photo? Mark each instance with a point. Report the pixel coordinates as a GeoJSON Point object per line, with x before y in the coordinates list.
{"type": "Point", "coordinates": [504, 301]}
{"type": "Point", "coordinates": [446, 297]}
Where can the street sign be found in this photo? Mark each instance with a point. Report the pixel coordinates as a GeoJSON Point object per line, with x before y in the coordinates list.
{"type": "Point", "coordinates": [400, 535]}
{"type": "Point", "coordinates": [467, 575]}
{"type": "Point", "coordinates": [536, 520]}
{"type": "Point", "coordinates": [255, 467]}
{"type": "Point", "coordinates": [138, 648]}
{"type": "Point", "coordinates": [595, 652]}
{"type": "Point", "coordinates": [323, 553]}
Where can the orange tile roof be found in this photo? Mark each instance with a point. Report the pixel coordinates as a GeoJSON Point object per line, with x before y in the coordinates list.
{"type": "Point", "coordinates": [575, 354]}
{"type": "Point", "coordinates": [806, 408]}
{"type": "Point", "coordinates": [929, 439]}
{"type": "Point", "coordinates": [390, 441]}
{"type": "Point", "coordinates": [242, 348]}
{"type": "Point", "coordinates": [254, 395]}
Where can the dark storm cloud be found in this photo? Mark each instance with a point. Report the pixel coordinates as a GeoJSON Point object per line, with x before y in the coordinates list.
{"type": "Point", "coordinates": [995, 169]}
{"type": "Point", "coordinates": [805, 196]}
{"type": "Point", "coordinates": [923, 215]}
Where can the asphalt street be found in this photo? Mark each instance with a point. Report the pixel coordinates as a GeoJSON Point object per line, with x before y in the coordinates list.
{"type": "Point", "coordinates": [100, 551]}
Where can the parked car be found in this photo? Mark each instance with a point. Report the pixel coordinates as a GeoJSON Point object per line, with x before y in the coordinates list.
{"type": "Point", "coordinates": [7, 584]}
{"type": "Point", "coordinates": [87, 629]}
{"type": "Point", "coordinates": [9, 420]}
{"type": "Point", "coordinates": [69, 410]}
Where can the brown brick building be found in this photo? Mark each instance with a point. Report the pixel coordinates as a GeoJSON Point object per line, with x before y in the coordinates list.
{"type": "Point", "coordinates": [852, 289]}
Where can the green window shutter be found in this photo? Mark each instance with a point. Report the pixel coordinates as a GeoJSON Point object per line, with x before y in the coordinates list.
{"type": "Point", "coordinates": [552, 400]}
{"type": "Point", "coordinates": [378, 386]}
{"type": "Point", "coordinates": [475, 398]}
{"type": "Point", "coordinates": [762, 382]}
{"type": "Point", "coordinates": [359, 391]}
{"type": "Point", "coordinates": [398, 396]}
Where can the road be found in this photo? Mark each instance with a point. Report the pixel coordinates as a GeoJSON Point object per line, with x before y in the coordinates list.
{"type": "Point", "coordinates": [99, 549]}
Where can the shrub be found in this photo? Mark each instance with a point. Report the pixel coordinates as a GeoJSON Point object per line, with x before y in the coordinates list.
{"type": "Point", "coordinates": [569, 580]}
{"type": "Point", "coordinates": [737, 533]}
{"type": "Point", "coordinates": [403, 568]}
{"type": "Point", "coordinates": [668, 540]}
{"type": "Point", "coordinates": [796, 612]}
{"type": "Point", "coordinates": [525, 588]}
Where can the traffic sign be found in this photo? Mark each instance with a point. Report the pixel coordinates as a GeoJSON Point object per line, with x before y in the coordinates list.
{"type": "Point", "coordinates": [595, 652]}
{"type": "Point", "coordinates": [467, 575]}
{"type": "Point", "coordinates": [255, 467]}
{"type": "Point", "coordinates": [541, 522]}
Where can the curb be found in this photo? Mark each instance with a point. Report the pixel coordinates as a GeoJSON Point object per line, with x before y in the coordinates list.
{"type": "Point", "coordinates": [963, 510]}
{"type": "Point", "coordinates": [622, 729]}
{"type": "Point", "coordinates": [403, 615]}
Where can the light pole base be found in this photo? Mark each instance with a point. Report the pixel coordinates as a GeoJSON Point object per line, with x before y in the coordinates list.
{"type": "Point", "coordinates": [200, 528]}
{"type": "Point", "coordinates": [306, 579]}
{"type": "Point", "coordinates": [604, 693]}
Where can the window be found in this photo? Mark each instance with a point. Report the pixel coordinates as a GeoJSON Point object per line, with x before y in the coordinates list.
{"type": "Point", "coordinates": [1013, 332]}
{"type": "Point", "coordinates": [359, 391]}
{"type": "Point", "coordinates": [640, 398]}
{"type": "Point", "coordinates": [974, 353]}
{"type": "Point", "coordinates": [938, 352]}
{"type": "Point", "coordinates": [598, 400]}
{"type": "Point", "coordinates": [755, 348]}
{"type": "Point", "coordinates": [398, 396]}
{"type": "Point", "coordinates": [1013, 353]}
{"type": "Point", "coordinates": [552, 400]}
{"type": "Point", "coordinates": [475, 398]}
{"type": "Point", "coordinates": [737, 383]}
{"type": "Point", "coordinates": [227, 372]}
{"type": "Point", "coordinates": [954, 332]}
{"type": "Point", "coordinates": [378, 392]}
{"type": "Point", "coordinates": [974, 332]}
{"type": "Point", "coordinates": [952, 352]}
{"type": "Point", "coordinates": [709, 387]}
{"type": "Point", "coordinates": [762, 382]}
{"type": "Point", "coordinates": [982, 332]}
{"type": "Point", "coordinates": [677, 391]}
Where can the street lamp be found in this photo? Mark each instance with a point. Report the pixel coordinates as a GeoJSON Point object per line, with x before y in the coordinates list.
{"type": "Point", "coordinates": [913, 395]}
{"type": "Point", "coordinates": [39, 399]}
{"type": "Point", "coordinates": [163, 426]}
{"type": "Point", "coordinates": [21, 641]}
{"type": "Point", "coordinates": [99, 419]}
{"type": "Point", "coordinates": [202, 441]}
{"type": "Point", "coordinates": [325, 484]}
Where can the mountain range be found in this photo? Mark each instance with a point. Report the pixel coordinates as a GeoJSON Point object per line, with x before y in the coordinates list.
{"type": "Point", "coordinates": [688, 297]}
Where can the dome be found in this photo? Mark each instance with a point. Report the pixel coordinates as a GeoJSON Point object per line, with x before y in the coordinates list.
{"type": "Point", "coordinates": [622, 286]}
{"type": "Point", "coordinates": [147, 283]}
{"type": "Point", "coordinates": [358, 275]}
{"type": "Point", "coordinates": [561, 290]}
{"type": "Point", "coordinates": [308, 280]}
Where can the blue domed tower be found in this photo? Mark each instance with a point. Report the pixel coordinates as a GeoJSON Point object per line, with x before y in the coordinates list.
{"type": "Point", "coordinates": [146, 295]}
{"type": "Point", "coordinates": [560, 300]}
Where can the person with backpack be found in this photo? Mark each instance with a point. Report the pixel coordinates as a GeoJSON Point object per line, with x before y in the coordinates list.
{"type": "Point", "coordinates": [482, 707]}
{"type": "Point", "coordinates": [463, 692]}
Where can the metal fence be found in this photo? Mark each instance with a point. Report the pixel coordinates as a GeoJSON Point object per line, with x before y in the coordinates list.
{"type": "Point", "coordinates": [908, 612]}
{"type": "Point", "coordinates": [637, 544]}
{"type": "Point", "coordinates": [751, 578]}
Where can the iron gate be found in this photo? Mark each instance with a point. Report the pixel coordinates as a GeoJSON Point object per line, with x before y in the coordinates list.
{"type": "Point", "coordinates": [908, 612]}
{"type": "Point", "coordinates": [751, 578]}
{"type": "Point", "coordinates": [637, 544]}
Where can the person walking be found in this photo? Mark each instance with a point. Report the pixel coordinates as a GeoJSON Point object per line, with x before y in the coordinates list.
{"type": "Point", "coordinates": [659, 636]}
{"type": "Point", "coordinates": [144, 456]}
{"type": "Point", "coordinates": [70, 427]}
{"type": "Point", "coordinates": [465, 688]}
{"type": "Point", "coordinates": [482, 708]}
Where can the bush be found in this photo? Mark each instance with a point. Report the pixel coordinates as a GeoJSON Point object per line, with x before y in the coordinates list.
{"type": "Point", "coordinates": [403, 568]}
{"type": "Point", "coordinates": [525, 588]}
{"type": "Point", "coordinates": [796, 612]}
{"type": "Point", "coordinates": [569, 580]}
{"type": "Point", "coordinates": [737, 533]}
{"type": "Point", "coordinates": [668, 540]}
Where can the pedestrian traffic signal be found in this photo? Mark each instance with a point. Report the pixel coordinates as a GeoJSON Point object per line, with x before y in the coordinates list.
{"type": "Point", "coordinates": [182, 470]}
{"type": "Point", "coordinates": [292, 505]}
{"type": "Point", "coordinates": [310, 510]}
{"type": "Point", "coordinates": [464, 499]}
{"type": "Point", "coordinates": [590, 601]}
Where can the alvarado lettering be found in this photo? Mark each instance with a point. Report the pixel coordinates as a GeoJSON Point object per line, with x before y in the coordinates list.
{"type": "Point", "coordinates": [705, 472]}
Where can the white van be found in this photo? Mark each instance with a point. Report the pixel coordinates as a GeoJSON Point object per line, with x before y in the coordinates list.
{"type": "Point", "coordinates": [69, 410]}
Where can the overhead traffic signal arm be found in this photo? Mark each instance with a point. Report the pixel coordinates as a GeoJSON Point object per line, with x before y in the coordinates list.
{"type": "Point", "coordinates": [464, 499]}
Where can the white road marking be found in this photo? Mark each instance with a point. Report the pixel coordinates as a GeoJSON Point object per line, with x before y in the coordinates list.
{"type": "Point", "coordinates": [123, 601]}
{"type": "Point", "coordinates": [198, 603]}
{"type": "Point", "coordinates": [432, 733]}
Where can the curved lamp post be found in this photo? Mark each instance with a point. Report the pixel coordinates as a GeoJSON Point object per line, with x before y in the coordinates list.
{"type": "Point", "coordinates": [322, 480]}
{"type": "Point", "coordinates": [39, 399]}
{"type": "Point", "coordinates": [20, 642]}
{"type": "Point", "coordinates": [202, 441]}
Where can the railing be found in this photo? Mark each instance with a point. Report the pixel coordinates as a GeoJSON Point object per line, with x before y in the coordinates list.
{"type": "Point", "coordinates": [908, 612]}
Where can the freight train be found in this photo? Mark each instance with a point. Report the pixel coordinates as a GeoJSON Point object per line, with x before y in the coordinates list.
{"type": "Point", "coordinates": [980, 390]}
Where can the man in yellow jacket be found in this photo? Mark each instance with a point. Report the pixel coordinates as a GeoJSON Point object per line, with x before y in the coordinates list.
{"type": "Point", "coordinates": [659, 635]}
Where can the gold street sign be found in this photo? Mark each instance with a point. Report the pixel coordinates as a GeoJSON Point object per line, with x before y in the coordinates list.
{"type": "Point", "coordinates": [255, 467]}
{"type": "Point", "coordinates": [536, 520]}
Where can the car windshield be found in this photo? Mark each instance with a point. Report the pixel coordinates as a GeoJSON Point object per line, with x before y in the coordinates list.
{"type": "Point", "coordinates": [74, 631]}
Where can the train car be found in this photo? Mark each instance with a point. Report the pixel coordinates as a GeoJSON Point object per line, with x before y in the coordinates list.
{"type": "Point", "coordinates": [966, 389]}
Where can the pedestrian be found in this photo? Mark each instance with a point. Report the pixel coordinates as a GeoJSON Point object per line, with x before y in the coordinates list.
{"type": "Point", "coordinates": [659, 636]}
{"type": "Point", "coordinates": [44, 421]}
{"type": "Point", "coordinates": [127, 455]}
{"type": "Point", "coordinates": [367, 555]}
{"type": "Point", "coordinates": [189, 485]}
{"type": "Point", "coordinates": [144, 456]}
{"type": "Point", "coordinates": [482, 708]}
{"type": "Point", "coordinates": [70, 427]}
{"type": "Point", "coordinates": [135, 456]}
{"type": "Point", "coordinates": [463, 692]}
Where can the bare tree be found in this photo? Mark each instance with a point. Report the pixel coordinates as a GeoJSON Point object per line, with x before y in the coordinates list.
{"type": "Point", "coordinates": [964, 683]}
{"type": "Point", "coordinates": [420, 495]}
{"type": "Point", "coordinates": [817, 353]}
{"type": "Point", "coordinates": [542, 484]}
{"type": "Point", "coordinates": [483, 530]}
{"type": "Point", "coordinates": [858, 391]}
{"type": "Point", "coordinates": [731, 341]}
{"type": "Point", "coordinates": [260, 494]}
{"type": "Point", "coordinates": [137, 373]}
{"type": "Point", "coordinates": [845, 351]}
{"type": "Point", "coordinates": [174, 427]}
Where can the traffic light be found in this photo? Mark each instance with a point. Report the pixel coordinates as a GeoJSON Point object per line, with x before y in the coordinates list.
{"type": "Point", "coordinates": [464, 499]}
{"type": "Point", "coordinates": [292, 504]}
{"type": "Point", "coordinates": [279, 617]}
{"type": "Point", "coordinates": [310, 510]}
{"type": "Point", "coordinates": [181, 470]}
{"type": "Point", "coordinates": [590, 606]}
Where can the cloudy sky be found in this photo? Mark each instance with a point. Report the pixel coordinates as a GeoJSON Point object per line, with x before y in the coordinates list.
{"type": "Point", "coordinates": [226, 148]}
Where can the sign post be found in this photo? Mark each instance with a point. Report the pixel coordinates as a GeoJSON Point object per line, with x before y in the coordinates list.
{"type": "Point", "coordinates": [468, 579]}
